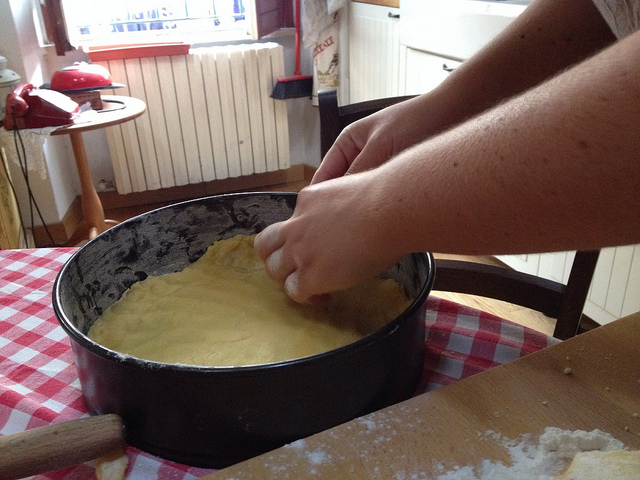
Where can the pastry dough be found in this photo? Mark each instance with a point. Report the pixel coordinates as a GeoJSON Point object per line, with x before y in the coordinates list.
{"type": "Point", "coordinates": [223, 310]}
{"type": "Point", "coordinates": [112, 466]}
{"type": "Point", "coordinates": [596, 465]}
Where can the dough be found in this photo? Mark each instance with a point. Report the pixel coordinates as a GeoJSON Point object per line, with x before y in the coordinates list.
{"type": "Point", "coordinates": [223, 310]}
{"type": "Point", "coordinates": [596, 465]}
{"type": "Point", "coordinates": [112, 466]}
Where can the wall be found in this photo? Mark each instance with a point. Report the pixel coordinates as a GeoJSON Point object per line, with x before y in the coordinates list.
{"type": "Point", "coordinates": [19, 43]}
{"type": "Point", "coordinates": [35, 64]}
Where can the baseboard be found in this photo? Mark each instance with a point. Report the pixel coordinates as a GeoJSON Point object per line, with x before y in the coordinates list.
{"type": "Point", "coordinates": [63, 230]}
{"type": "Point", "coordinates": [295, 173]}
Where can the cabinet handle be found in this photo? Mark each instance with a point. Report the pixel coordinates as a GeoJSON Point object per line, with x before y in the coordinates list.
{"type": "Point", "coordinates": [447, 69]}
{"type": "Point", "coordinates": [394, 15]}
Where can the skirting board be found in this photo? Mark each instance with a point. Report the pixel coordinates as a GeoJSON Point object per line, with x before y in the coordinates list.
{"type": "Point", "coordinates": [62, 230]}
{"type": "Point", "coordinates": [294, 173]}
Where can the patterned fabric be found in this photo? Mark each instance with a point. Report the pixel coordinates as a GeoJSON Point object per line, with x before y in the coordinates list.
{"type": "Point", "coordinates": [39, 382]}
{"type": "Point", "coordinates": [461, 341]}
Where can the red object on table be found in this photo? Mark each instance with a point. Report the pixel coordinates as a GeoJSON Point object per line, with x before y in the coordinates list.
{"type": "Point", "coordinates": [31, 107]}
{"type": "Point", "coordinates": [80, 75]}
{"type": "Point", "coordinates": [39, 383]}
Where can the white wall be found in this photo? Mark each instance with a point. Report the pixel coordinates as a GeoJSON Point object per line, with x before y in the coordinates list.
{"type": "Point", "coordinates": [20, 45]}
{"type": "Point", "coordinates": [304, 121]}
{"type": "Point", "coordinates": [35, 64]}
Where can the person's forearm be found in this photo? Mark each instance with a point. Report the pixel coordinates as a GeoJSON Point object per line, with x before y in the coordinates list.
{"type": "Point", "coordinates": [548, 37]}
{"type": "Point", "coordinates": [557, 168]}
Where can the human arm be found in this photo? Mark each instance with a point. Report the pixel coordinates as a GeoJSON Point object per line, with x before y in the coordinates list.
{"type": "Point", "coordinates": [546, 38]}
{"type": "Point", "coordinates": [553, 169]}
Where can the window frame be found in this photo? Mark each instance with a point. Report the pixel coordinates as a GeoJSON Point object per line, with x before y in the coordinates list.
{"type": "Point", "coordinates": [270, 15]}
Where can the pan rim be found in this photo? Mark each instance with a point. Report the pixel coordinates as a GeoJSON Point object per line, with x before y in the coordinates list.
{"type": "Point", "coordinates": [129, 360]}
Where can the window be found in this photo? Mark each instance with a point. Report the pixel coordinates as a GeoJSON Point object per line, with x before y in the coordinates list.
{"type": "Point", "coordinates": [132, 21]}
{"type": "Point", "coordinates": [113, 22]}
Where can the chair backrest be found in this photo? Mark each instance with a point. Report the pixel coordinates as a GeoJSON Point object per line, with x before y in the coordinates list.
{"type": "Point", "coordinates": [565, 303]}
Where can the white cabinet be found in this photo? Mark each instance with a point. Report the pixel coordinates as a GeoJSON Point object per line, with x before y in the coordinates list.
{"type": "Point", "coordinates": [424, 71]}
{"type": "Point", "coordinates": [374, 52]}
{"type": "Point", "coordinates": [379, 66]}
{"type": "Point", "coordinates": [454, 28]}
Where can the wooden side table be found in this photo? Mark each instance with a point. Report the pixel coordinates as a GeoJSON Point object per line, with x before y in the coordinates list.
{"type": "Point", "coordinates": [117, 109]}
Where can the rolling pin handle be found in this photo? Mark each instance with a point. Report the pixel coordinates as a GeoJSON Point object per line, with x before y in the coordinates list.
{"type": "Point", "coordinates": [59, 445]}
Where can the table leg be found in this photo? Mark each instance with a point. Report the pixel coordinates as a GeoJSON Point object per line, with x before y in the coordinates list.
{"type": "Point", "coordinates": [94, 222]}
{"type": "Point", "coordinates": [91, 205]}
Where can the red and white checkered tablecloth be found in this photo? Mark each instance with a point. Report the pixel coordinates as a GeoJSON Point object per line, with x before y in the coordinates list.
{"type": "Point", "coordinates": [39, 383]}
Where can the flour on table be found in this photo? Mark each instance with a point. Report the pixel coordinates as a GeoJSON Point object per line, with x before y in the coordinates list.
{"type": "Point", "coordinates": [544, 461]}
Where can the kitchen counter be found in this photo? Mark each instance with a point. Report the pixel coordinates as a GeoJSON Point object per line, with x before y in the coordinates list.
{"type": "Point", "coordinates": [384, 3]}
{"type": "Point", "coordinates": [454, 29]}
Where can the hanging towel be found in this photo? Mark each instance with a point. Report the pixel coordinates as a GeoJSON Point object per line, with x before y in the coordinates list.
{"type": "Point", "coordinates": [316, 16]}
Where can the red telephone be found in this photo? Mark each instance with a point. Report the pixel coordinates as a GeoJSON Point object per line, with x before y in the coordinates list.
{"type": "Point", "coordinates": [32, 107]}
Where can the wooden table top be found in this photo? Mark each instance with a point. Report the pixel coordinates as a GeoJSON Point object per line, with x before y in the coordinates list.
{"type": "Point", "coordinates": [447, 427]}
{"type": "Point", "coordinates": [117, 109]}
{"type": "Point", "coordinates": [384, 3]}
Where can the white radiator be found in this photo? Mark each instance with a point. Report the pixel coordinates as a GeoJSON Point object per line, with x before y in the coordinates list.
{"type": "Point", "coordinates": [209, 116]}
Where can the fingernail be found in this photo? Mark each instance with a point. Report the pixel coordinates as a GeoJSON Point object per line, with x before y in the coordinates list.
{"type": "Point", "coordinates": [274, 262]}
{"type": "Point", "coordinates": [291, 285]}
{"type": "Point", "coordinates": [270, 235]}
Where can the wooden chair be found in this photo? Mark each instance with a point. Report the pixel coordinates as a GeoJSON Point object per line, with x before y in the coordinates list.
{"type": "Point", "coordinates": [562, 302]}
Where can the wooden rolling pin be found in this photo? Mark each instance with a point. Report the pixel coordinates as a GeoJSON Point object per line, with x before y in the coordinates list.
{"type": "Point", "coordinates": [60, 445]}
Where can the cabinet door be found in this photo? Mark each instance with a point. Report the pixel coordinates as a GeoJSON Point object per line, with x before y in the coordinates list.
{"type": "Point", "coordinates": [424, 71]}
{"type": "Point", "coordinates": [374, 52]}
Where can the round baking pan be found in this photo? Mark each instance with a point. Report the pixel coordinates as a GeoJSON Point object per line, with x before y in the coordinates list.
{"type": "Point", "coordinates": [216, 416]}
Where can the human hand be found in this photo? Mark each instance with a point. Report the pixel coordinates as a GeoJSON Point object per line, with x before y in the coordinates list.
{"type": "Point", "coordinates": [332, 241]}
{"type": "Point", "coordinates": [373, 140]}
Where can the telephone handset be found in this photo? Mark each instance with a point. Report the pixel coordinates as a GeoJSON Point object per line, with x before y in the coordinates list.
{"type": "Point", "coordinates": [33, 107]}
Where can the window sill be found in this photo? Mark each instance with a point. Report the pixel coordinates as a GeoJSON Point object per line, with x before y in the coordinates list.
{"type": "Point", "coordinates": [139, 50]}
